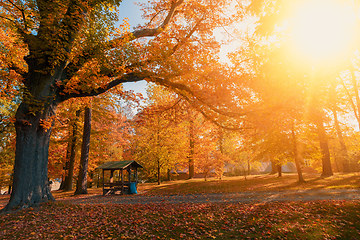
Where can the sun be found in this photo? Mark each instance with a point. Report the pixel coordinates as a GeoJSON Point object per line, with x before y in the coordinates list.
{"type": "Point", "coordinates": [323, 29]}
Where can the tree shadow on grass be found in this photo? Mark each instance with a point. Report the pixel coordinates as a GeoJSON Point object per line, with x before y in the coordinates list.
{"type": "Point", "coordinates": [333, 182]}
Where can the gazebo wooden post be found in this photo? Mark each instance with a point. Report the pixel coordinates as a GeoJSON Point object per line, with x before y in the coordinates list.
{"type": "Point", "coordinates": [122, 181]}
{"type": "Point", "coordinates": [129, 176]}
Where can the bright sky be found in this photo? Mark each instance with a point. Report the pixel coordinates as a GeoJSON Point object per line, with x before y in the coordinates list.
{"type": "Point", "coordinates": [323, 30]}
{"type": "Point", "coordinates": [131, 11]}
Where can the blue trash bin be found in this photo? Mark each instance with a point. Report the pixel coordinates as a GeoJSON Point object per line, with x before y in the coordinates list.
{"type": "Point", "coordinates": [133, 188]}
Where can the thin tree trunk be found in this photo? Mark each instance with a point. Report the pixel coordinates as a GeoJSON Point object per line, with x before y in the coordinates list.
{"type": "Point", "coordinates": [158, 150]}
{"type": "Point", "coordinates": [279, 170]}
{"type": "Point", "coordinates": [296, 155]}
{"type": "Point", "coordinates": [273, 168]}
{"type": "Point", "coordinates": [344, 157]}
{"type": "Point", "coordinates": [351, 101]}
{"type": "Point", "coordinates": [356, 92]}
{"type": "Point", "coordinates": [169, 175]}
{"type": "Point", "coordinates": [66, 165]}
{"type": "Point", "coordinates": [68, 183]}
{"type": "Point", "coordinates": [81, 187]}
{"type": "Point", "coordinates": [324, 146]}
{"type": "Point", "coordinates": [191, 146]}
{"type": "Point", "coordinates": [158, 172]}
{"type": "Point", "coordinates": [10, 184]}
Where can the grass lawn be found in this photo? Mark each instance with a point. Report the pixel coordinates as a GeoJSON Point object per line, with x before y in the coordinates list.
{"type": "Point", "coordinates": [253, 183]}
{"type": "Point", "coordinates": [276, 220]}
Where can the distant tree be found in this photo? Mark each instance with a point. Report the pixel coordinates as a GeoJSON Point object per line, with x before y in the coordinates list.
{"type": "Point", "coordinates": [160, 137]}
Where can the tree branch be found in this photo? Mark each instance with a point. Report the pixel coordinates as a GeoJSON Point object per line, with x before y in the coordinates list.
{"type": "Point", "coordinates": [350, 99]}
{"type": "Point", "coordinates": [150, 32]}
{"type": "Point", "coordinates": [143, 33]}
{"type": "Point", "coordinates": [131, 77]}
{"type": "Point", "coordinates": [181, 42]}
{"type": "Point", "coordinates": [22, 13]}
{"type": "Point", "coordinates": [183, 87]}
{"type": "Point", "coordinates": [212, 120]}
{"type": "Point", "coordinates": [8, 19]}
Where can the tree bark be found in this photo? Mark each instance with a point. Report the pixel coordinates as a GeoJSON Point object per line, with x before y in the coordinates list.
{"type": "Point", "coordinates": [297, 155]}
{"type": "Point", "coordinates": [68, 182]}
{"type": "Point", "coordinates": [344, 156]}
{"type": "Point", "coordinates": [273, 168]}
{"type": "Point", "coordinates": [158, 172]}
{"type": "Point", "coordinates": [30, 182]}
{"type": "Point", "coordinates": [356, 93]}
{"type": "Point", "coordinates": [66, 163]}
{"type": "Point", "coordinates": [326, 163]}
{"type": "Point", "coordinates": [279, 170]}
{"type": "Point", "coordinates": [81, 187]}
{"type": "Point", "coordinates": [191, 146]}
{"type": "Point", "coordinates": [169, 175]}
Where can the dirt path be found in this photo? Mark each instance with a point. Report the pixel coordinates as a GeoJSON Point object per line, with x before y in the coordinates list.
{"type": "Point", "coordinates": [243, 197]}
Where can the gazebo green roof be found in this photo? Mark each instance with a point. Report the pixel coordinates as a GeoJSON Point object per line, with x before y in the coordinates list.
{"type": "Point", "coordinates": [118, 165]}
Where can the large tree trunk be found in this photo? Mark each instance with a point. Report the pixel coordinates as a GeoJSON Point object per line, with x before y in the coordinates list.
{"type": "Point", "coordinates": [68, 182]}
{"type": "Point", "coordinates": [30, 182]}
{"type": "Point", "coordinates": [81, 187]}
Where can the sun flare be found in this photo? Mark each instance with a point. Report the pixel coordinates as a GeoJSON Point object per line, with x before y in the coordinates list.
{"type": "Point", "coordinates": [323, 29]}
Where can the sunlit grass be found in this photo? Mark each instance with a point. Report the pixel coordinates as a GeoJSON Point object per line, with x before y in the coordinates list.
{"type": "Point", "coordinates": [253, 183]}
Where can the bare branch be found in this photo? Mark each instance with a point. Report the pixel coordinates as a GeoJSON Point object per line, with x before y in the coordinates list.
{"type": "Point", "coordinates": [187, 36]}
{"type": "Point", "coordinates": [20, 9]}
{"type": "Point", "coordinates": [151, 32]}
{"type": "Point", "coordinates": [22, 13]}
{"type": "Point", "coordinates": [350, 99]}
{"type": "Point", "coordinates": [158, 13]}
{"type": "Point", "coordinates": [8, 19]}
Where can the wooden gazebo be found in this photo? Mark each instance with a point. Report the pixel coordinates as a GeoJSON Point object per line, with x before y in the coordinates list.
{"type": "Point", "coordinates": [126, 182]}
